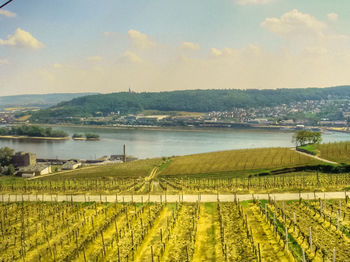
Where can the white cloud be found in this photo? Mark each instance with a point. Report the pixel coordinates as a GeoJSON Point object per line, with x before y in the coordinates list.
{"type": "Point", "coordinates": [227, 51]}
{"type": "Point", "coordinates": [295, 23]}
{"type": "Point", "coordinates": [130, 57]}
{"type": "Point", "coordinates": [253, 2]}
{"type": "Point", "coordinates": [332, 17]}
{"type": "Point", "coordinates": [7, 13]}
{"type": "Point", "coordinates": [22, 38]}
{"type": "Point", "coordinates": [323, 61]}
{"type": "Point", "coordinates": [140, 40]}
{"type": "Point", "coordinates": [305, 33]}
{"type": "Point", "coordinates": [190, 46]}
{"type": "Point", "coordinates": [215, 52]}
{"type": "Point", "coordinates": [250, 66]}
{"type": "Point", "coordinates": [4, 61]}
{"type": "Point", "coordinates": [94, 58]}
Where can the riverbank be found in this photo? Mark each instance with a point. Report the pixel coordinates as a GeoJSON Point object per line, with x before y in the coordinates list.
{"type": "Point", "coordinates": [252, 127]}
{"type": "Point", "coordinates": [172, 128]}
{"type": "Point", "coordinates": [79, 138]}
{"type": "Point", "coordinates": [34, 138]}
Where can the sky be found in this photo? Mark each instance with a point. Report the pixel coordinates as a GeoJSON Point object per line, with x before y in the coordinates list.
{"type": "Point", "coordinates": [109, 46]}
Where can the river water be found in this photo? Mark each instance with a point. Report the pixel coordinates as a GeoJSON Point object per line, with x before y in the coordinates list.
{"type": "Point", "coordinates": [157, 143]}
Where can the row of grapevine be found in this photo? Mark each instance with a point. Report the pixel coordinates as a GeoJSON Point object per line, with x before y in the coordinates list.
{"type": "Point", "coordinates": [258, 230]}
{"type": "Point", "coordinates": [293, 182]}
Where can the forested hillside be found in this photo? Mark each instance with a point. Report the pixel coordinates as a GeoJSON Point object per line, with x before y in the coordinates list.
{"type": "Point", "coordinates": [189, 100]}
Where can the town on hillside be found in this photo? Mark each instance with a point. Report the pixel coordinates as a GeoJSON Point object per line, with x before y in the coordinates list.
{"type": "Point", "coordinates": [325, 114]}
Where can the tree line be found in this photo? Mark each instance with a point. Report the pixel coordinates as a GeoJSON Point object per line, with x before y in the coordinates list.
{"type": "Point", "coordinates": [31, 130]}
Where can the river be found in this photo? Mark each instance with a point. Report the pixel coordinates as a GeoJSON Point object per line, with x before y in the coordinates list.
{"type": "Point", "coordinates": [144, 143]}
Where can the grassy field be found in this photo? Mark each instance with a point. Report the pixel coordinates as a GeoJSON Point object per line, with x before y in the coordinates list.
{"type": "Point", "coordinates": [134, 169]}
{"type": "Point", "coordinates": [311, 148]}
{"type": "Point", "coordinates": [244, 161]}
{"type": "Point", "coordinates": [231, 231]}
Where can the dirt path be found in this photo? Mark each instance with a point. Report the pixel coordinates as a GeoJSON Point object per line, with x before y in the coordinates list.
{"type": "Point", "coordinates": [152, 174]}
{"type": "Point", "coordinates": [171, 198]}
{"type": "Point", "coordinates": [206, 242]}
{"type": "Point", "coordinates": [315, 157]}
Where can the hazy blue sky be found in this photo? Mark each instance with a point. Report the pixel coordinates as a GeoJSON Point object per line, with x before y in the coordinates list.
{"type": "Point", "coordinates": [152, 45]}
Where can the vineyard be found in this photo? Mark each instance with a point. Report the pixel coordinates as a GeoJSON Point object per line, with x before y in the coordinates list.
{"type": "Point", "coordinates": [235, 171]}
{"type": "Point", "coordinates": [338, 152]}
{"type": "Point", "coordinates": [192, 184]}
{"type": "Point", "coordinates": [259, 230]}
{"type": "Point", "coordinates": [246, 160]}
{"type": "Point", "coordinates": [251, 171]}
{"type": "Point", "coordinates": [290, 182]}
{"type": "Point", "coordinates": [233, 161]}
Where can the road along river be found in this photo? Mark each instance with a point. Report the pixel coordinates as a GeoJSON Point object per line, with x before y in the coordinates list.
{"type": "Point", "coordinates": [173, 198]}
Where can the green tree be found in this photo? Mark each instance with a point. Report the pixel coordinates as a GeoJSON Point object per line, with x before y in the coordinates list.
{"type": "Point", "coordinates": [303, 137]}
{"type": "Point", "coordinates": [76, 135]}
{"type": "Point", "coordinates": [6, 154]}
{"type": "Point", "coordinates": [92, 136]}
{"type": "Point", "coordinates": [10, 170]}
{"type": "Point", "coordinates": [316, 137]}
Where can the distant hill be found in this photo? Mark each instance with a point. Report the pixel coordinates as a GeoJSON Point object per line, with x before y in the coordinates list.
{"type": "Point", "coordinates": [42, 101]}
{"type": "Point", "coordinates": [188, 100]}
